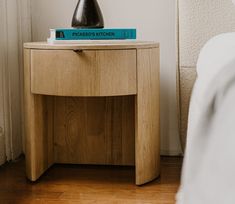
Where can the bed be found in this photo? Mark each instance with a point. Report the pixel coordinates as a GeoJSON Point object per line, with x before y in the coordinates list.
{"type": "Point", "coordinates": [207, 54]}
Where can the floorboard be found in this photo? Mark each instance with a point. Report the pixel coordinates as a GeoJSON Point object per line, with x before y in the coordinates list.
{"type": "Point", "coordinates": [70, 184]}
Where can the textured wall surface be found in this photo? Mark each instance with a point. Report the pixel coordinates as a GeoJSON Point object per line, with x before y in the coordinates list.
{"type": "Point", "coordinates": [199, 20]}
{"type": "Point", "coordinates": [187, 79]}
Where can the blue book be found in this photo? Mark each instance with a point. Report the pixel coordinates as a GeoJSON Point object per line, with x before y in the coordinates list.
{"type": "Point", "coordinates": [93, 34]}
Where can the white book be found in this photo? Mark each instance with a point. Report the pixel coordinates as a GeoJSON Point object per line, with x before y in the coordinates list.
{"type": "Point", "coordinates": [58, 42]}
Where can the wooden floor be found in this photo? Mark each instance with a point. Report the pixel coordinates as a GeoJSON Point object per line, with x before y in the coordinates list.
{"type": "Point", "coordinates": [70, 184]}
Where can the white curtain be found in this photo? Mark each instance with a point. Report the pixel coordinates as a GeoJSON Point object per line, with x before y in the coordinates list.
{"type": "Point", "coordinates": [15, 29]}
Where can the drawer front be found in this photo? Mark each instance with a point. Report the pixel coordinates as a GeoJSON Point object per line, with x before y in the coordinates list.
{"type": "Point", "coordinates": [85, 73]}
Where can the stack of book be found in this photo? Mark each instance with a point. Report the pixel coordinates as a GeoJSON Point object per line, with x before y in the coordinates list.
{"type": "Point", "coordinates": [72, 35]}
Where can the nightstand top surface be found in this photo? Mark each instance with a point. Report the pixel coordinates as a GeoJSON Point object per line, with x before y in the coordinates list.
{"type": "Point", "coordinates": [101, 44]}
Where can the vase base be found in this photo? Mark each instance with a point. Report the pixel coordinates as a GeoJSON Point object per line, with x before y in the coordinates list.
{"type": "Point", "coordinates": [88, 27]}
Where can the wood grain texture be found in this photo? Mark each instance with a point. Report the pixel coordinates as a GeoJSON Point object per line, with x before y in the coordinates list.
{"type": "Point", "coordinates": [86, 73]}
{"type": "Point", "coordinates": [94, 45]}
{"type": "Point", "coordinates": [95, 130]}
{"type": "Point", "coordinates": [38, 128]}
{"type": "Point", "coordinates": [79, 184]}
{"type": "Point", "coordinates": [113, 130]}
{"type": "Point", "coordinates": [147, 116]}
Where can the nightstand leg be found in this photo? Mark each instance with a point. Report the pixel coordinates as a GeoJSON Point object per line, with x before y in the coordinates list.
{"type": "Point", "coordinates": [147, 117]}
{"type": "Point", "coordinates": [38, 129]}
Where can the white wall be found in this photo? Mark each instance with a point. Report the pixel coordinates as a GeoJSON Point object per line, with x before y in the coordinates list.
{"type": "Point", "coordinates": [154, 19]}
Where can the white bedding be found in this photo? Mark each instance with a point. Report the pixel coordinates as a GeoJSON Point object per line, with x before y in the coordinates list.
{"type": "Point", "coordinates": [209, 166]}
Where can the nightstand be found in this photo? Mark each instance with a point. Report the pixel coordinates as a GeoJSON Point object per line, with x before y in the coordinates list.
{"type": "Point", "coordinates": [95, 103]}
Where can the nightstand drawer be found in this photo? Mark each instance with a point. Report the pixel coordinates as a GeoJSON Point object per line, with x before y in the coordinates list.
{"type": "Point", "coordinates": [83, 73]}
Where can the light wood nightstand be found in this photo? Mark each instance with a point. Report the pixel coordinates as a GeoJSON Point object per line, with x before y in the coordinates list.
{"type": "Point", "coordinates": [92, 103]}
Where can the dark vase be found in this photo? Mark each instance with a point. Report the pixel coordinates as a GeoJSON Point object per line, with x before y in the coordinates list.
{"type": "Point", "coordinates": [87, 15]}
